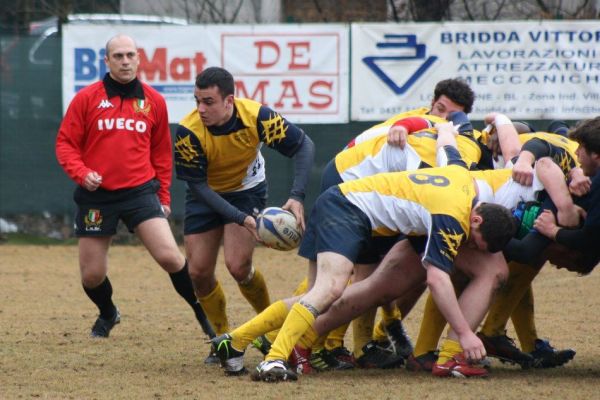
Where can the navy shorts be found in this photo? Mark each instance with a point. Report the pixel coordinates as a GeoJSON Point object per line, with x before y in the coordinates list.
{"type": "Point", "coordinates": [99, 212]}
{"type": "Point", "coordinates": [339, 226]}
{"type": "Point", "coordinates": [199, 217]}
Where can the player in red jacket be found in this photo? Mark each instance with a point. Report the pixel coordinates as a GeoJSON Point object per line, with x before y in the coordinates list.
{"type": "Point", "coordinates": [114, 142]}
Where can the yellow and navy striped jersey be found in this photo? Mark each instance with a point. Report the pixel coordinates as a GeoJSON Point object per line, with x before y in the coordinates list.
{"type": "Point", "coordinates": [434, 202]}
{"type": "Point", "coordinates": [499, 185]}
{"type": "Point", "coordinates": [375, 155]}
{"type": "Point", "coordinates": [228, 157]}
{"type": "Point", "coordinates": [562, 148]}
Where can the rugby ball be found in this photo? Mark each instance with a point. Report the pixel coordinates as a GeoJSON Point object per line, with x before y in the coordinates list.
{"type": "Point", "coordinates": [277, 228]}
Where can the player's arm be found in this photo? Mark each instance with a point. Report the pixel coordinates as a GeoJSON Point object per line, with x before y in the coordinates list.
{"type": "Point", "coordinates": [161, 156]}
{"type": "Point", "coordinates": [294, 143]}
{"type": "Point", "coordinates": [442, 291]}
{"type": "Point", "coordinates": [552, 178]}
{"type": "Point", "coordinates": [69, 146]}
{"type": "Point", "coordinates": [531, 151]}
{"type": "Point", "coordinates": [507, 135]}
{"type": "Point", "coordinates": [399, 131]}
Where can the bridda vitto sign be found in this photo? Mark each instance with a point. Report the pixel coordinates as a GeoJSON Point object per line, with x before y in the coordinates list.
{"type": "Point", "coordinates": [529, 70]}
{"type": "Point", "coordinates": [298, 70]}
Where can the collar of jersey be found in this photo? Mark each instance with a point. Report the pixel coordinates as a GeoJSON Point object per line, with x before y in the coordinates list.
{"type": "Point", "coordinates": [233, 125]}
{"type": "Point", "coordinates": [131, 90]}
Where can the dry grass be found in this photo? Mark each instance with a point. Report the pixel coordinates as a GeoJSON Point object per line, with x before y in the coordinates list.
{"type": "Point", "coordinates": [157, 351]}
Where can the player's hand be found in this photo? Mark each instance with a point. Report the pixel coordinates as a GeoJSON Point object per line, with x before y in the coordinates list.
{"type": "Point", "coordinates": [522, 173]}
{"type": "Point", "coordinates": [92, 181]}
{"type": "Point", "coordinates": [250, 224]}
{"type": "Point", "coordinates": [296, 208]}
{"type": "Point", "coordinates": [545, 224]}
{"type": "Point", "coordinates": [397, 136]}
{"type": "Point", "coordinates": [446, 128]}
{"type": "Point", "coordinates": [166, 210]}
{"type": "Point", "coordinates": [579, 184]}
{"type": "Point", "coordinates": [473, 348]}
{"type": "Point", "coordinates": [490, 118]}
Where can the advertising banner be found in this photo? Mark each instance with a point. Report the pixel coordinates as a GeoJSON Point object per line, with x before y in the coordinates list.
{"type": "Point", "coordinates": [528, 70]}
{"type": "Point", "coordinates": [300, 71]}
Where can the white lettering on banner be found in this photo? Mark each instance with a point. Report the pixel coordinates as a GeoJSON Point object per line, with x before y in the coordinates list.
{"type": "Point", "coordinates": [529, 70]}
{"type": "Point", "coordinates": [127, 124]}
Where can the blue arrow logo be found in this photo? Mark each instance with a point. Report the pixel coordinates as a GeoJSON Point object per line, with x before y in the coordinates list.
{"type": "Point", "coordinates": [404, 42]}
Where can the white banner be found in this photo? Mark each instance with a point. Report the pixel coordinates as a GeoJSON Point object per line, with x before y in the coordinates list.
{"type": "Point", "coordinates": [300, 71]}
{"type": "Point", "coordinates": [528, 70]}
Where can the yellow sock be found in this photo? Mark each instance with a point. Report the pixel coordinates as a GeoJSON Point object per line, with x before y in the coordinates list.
{"type": "Point", "coordinates": [271, 336]}
{"type": "Point", "coordinates": [302, 287]}
{"type": "Point", "coordinates": [449, 349]}
{"type": "Point", "coordinates": [319, 344]}
{"type": "Point", "coordinates": [215, 307]}
{"type": "Point", "coordinates": [335, 338]}
{"type": "Point", "coordinates": [389, 313]}
{"type": "Point", "coordinates": [524, 322]}
{"type": "Point", "coordinates": [271, 318]}
{"type": "Point", "coordinates": [309, 339]}
{"type": "Point", "coordinates": [362, 330]}
{"type": "Point", "coordinates": [256, 292]}
{"type": "Point", "coordinates": [506, 300]}
{"type": "Point", "coordinates": [432, 327]}
{"type": "Point", "coordinates": [296, 324]}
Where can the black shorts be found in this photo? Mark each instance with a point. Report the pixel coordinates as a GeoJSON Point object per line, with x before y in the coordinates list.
{"type": "Point", "coordinates": [337, 225]}
{"type": "Point", "coordinates": [99, 212]}
{"type": "Point", "coordinates": [199, 217]}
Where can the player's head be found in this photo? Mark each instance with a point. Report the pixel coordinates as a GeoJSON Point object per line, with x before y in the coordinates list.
{"type": "Point", "coordinates": [121, 58]}
{"type": "Point", "coordinates": [587, 134]}
{"type": "Point", "coordinates": [523, 127]}
{"type": "Point", "coordinates": [452, 95]}
{"type": "Point", "coordinates": [214, 96]}
{"type": "Point", "coordinates": [492, 226]}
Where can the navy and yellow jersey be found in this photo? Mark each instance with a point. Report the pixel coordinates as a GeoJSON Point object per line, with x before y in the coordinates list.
{"type": "Point", "coordinates": [436, 203]}
{"type": "Point", "coordinates": [499, 185]}
{"type": "Point", "coordinates": [383, 127]}
{"type": "Point", "coordinates": [375, 155]}
{"type": "Point", "coordinates": [562, 149]}
{"type": "Point", "coordinates": [424, 143]}
{"type": "Point", "coordinates": [228, 157]}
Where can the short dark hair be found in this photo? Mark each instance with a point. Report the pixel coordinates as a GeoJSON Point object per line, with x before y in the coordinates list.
{"type": "Point", "coordinates": [216, 76]}
{"type": "Point", "coordinates": [587, 134]}
{"type": "Point", "coordinates": [498, 225]}
{"type": "Point", "coordinates": [456, 90]}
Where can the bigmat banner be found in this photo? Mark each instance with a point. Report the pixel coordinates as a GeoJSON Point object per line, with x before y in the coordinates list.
{"type": "Point", "coordinates": [528, 70]}
{"type": "Point", "coordinates": [300, 71]}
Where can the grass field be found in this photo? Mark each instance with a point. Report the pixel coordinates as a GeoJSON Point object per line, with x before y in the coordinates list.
{"type": "Point", "coordinates": [157, 350]}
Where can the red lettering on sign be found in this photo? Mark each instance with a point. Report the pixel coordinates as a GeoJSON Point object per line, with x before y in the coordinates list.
{"type": "Point", "coordinates": [261, 46]}
{"type": "Point", "coordinates": [257, 95]}
{"type": "Point", "coordinates": [299, 51]}
{"type": "Point", "coordinates": [180, 69]}
{"type": "Point", "coordinates": [288, 86]}
{"type": "Point", "coordinates": [315, 92]}
{"type": "Point", "coordinates": [155, 66]}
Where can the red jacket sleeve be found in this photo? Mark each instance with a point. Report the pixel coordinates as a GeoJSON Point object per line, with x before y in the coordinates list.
{"type": "Point", "coordinates": [70, 141]}
{"type": "Point", "coordinates": [161, 155]}
{"type": "Point", "coordinates": [413, 124]}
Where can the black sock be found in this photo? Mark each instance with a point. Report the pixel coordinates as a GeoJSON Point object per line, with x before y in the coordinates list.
{"type": "Point", "coordinates": [101, 295]}
{"type": "Point", "coordinates": [183, 285]}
